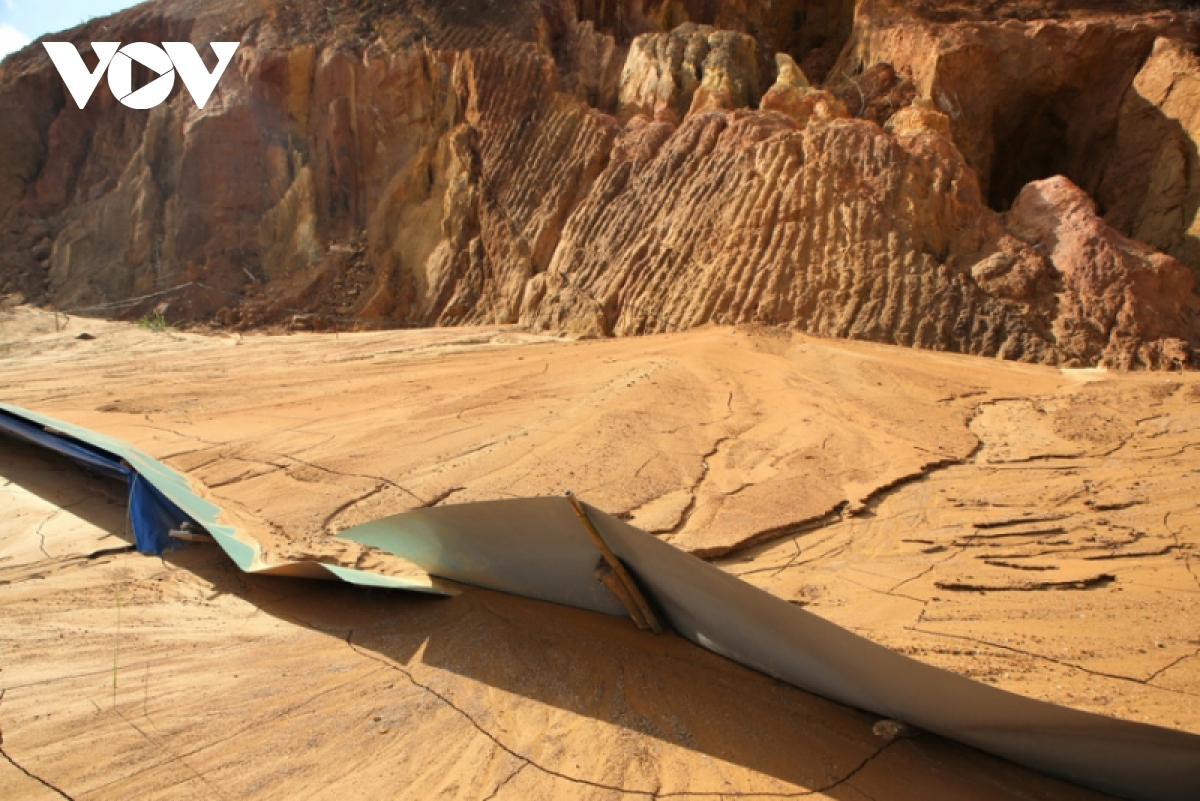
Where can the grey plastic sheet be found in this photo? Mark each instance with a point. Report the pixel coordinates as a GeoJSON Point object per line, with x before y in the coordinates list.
{"type": "Point", "coordinates": [537, 548]}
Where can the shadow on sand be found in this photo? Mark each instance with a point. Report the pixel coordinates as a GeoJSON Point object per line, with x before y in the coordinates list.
{"type": "Point", "coordinates": [557, 664]}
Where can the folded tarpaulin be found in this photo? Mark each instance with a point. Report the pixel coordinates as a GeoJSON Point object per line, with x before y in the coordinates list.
{"type": "Point", "coordinates": [161, 500]}
{"type": "Point", "coordinates": [537, 548]}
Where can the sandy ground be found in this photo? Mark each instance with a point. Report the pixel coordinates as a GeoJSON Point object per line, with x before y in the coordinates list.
{"type": "Point", "coordinates": [1026, 527]}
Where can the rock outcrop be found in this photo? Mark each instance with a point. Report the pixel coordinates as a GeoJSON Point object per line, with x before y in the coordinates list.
{"type": "Point", "coordinates": [1152, 189]}
{"type": "Point", "coordinates": [794, 96]}
{"type": "Point", "coordinates": [1119, 300]}
{"type": "Point", "coordinates": [634, 167]}
{"type": "Point", "coordinates": [691, 69]}
{"type": "Point", "coordinates": [1056, 88]}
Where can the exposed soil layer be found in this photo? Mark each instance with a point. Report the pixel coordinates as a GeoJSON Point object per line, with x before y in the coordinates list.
{"type": "Point", "coordinates": [629, 167]}
{"type": "Point", "coordinates": [1025, 526]}
{"type": "Point", "coordinates": [952, 508]}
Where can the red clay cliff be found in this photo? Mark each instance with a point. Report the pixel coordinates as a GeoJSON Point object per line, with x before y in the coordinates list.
{"type": "Point", "coordinates": [1013, 179]}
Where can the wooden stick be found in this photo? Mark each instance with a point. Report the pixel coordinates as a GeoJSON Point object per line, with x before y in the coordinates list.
{"type": "Point", "coordinates": [605, 575]}
{"type": "Point", "coordinates": [641, 606]}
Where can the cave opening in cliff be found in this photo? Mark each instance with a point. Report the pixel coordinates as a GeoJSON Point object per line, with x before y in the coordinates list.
{"type": "Point", "coordinates": [1035, 148]}
{"type": "Point", "coordinates": [818, 32]}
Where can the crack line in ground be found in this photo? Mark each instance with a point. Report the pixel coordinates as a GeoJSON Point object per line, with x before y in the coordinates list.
{"type": "Point", "coordinates": [197, 467]}
{"type": "Point", "coordinates": [41, 536]}
{"type": "Point", "coordinates": [928, 569]}
{"type": "Point", "coordinates": [326, 524]}
{"type": "Point", "coordinates": [637, 473]}
{"type": "Point", "coordinates": [181, 435]}
{"type": "Point", "coordinates": [506, 780]}
{"type": "Point", "coordinates": [387, 481]}
{"type": "Point", "coordinates": [1165, 668]}
{"type": "Point", "coordinates": [832, 552]}
{"type": "Point", "coordinates": [653, 794]}
{"type": "Point", "coordinates": [246, 474]}
{"type": "Point", "coordinates": [817, 790]}
{"type": "Point", "coordinates": [772, 535]}
{"type": "Point", "coordinates": [33, 776]}
{"type": "Point", "coordinates": [923, 601]}
{"type": "Point", "coordinates": [1063, 662]}
{"type": "Point", "coordinates": [773, 570]}
{"type": "Point", "coordinates": [238, 732]}
{"type": "Point", "coordinates": [1187, 555]}
{"type": "Point", "coordinates": [59, 510]}
{"type": "Point", "coordinates": [791, 562]}
{"type": "Point", "coordinates": [22, 768]}
{"type": "Point", "coordinates": [158, 743]}
{"type": "Point", "coordinates": [835, 514]}
{"type": "Point", "coordinates": [474, 724]}
{"type": "Point", "coordinates": [441, 496]}
{"type": "Point", "coordinates": [686, 515]}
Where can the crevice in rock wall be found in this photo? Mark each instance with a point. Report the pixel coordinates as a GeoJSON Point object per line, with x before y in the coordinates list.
{"type": "Point", "coordinates": [812, 32]}
{"type": "Point", "coordinates": [817, 34]}
{"type": "Point", "coordinates": [1036, 147]}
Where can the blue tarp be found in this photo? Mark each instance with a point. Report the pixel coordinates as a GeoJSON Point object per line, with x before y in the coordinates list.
{"type": "Point", "coordinates": [151, 514]}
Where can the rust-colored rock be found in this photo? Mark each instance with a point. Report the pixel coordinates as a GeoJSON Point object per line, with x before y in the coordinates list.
{"type": "Point", "coordinates": [877, 93]}
{"type": "Point", "coordinates": [1121, 304]}
{"type": "Point", "coordinates": [794, 96]}
{"type": "Point", "coordinates": [790, 225]}
{"type": "Point", "coordinates": [1152, 189]}
{"type": "Point", "coordinates": [1032, 89]}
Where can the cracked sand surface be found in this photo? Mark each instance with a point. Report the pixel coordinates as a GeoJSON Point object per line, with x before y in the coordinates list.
{"type": "Point", "coordinates": [714, 439]}
{"type": "Point", "coordinates": [852, 478]}
{"type": "Point", "coordinates": [133, 676]}
{"type": "Point", "coordinates": [1059, 562]}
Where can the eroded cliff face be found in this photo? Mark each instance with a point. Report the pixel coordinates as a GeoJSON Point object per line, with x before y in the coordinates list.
{"type": "Point", "coordinates": [873, 172]}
